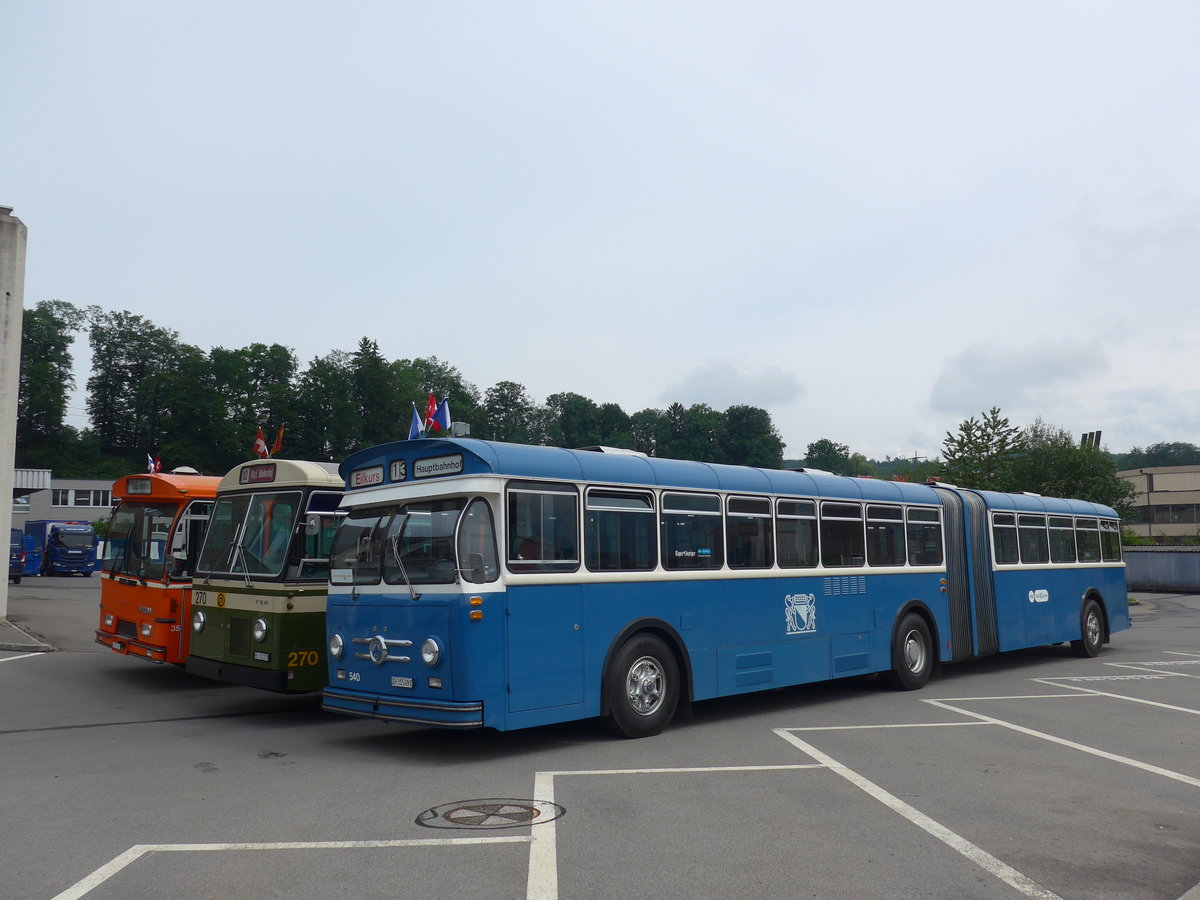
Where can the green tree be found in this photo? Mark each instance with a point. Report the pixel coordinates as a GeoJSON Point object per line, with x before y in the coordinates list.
{"type": "Point", "coordinates": [980, 454]}
{"type": "Point", "coordinates": [1053, 464]}
{"type": "Point", "coordinates": [749, 438]}
{"type": "Point", "coordinates": [1176, 453]}
{"type": "Point", "coordinates": [571, 420]}
{"type": "Point", "coordinates": [829, 456]}
{"type": "Point", "coordinates": [133, 363]}
{"type": "Point", "coordinates": [328, 422]}
{"type": "Point", "coordinates": [418, 378]}
{"type": "Point", "coordinates": [45, 383]}
{"type": "Point", "coordinates": [616, 428]}
{"type": "Point", "coordinates": [256, 384]}
{"type": "Point", "coordinates": [650, 429]}
{"type": "Point", "coordinates": [700, 437]}
{"type": "Point", "coordinates": [195, 432]}
{"type": "Point", "coordinates": [509, 412]}
{"type": "Point", "coordinates": [376, 396]}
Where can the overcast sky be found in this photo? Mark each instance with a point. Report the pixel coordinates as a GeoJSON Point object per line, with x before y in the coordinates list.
{"type": "Point", "coordinates": [872, 219]}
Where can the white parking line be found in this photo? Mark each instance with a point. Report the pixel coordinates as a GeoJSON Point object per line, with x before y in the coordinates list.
{"type": "Point", "coordinates": [107, 871]}
{"type": "Point", "coordinates": [1083, 748]}
{"type": "Point", "coordinates": [22, 656]}
{"type": "Point", "coordinates": [955, 841]}
{"type": "Point", "coordinates": [542, 883]}
{"type": "Point", "coordinates": [1057, 682]}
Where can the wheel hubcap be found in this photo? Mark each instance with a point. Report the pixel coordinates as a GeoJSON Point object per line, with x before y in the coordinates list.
{"type": "Point", "coordinates": [644, 686]}
{"type": "Point", "coordinates": [1093, 629]}
{"type": "Point", "coordinates": [914, 652]}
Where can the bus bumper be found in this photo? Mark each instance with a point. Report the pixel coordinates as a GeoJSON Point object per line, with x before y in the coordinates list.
{"type": "Point", "coordinates": [128, 647]}
{"type": "Point", "coordinates": [266, 679]}
{"type": "Point", "coordinates": [413, 711]}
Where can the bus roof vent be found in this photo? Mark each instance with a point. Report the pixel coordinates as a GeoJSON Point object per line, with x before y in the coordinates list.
{"type": "Point", "coordinates": [619, 451]}
{"type": "Point", "coordinates": [184, 470]}
{"type": "Point", "coordinates": [809, 470]}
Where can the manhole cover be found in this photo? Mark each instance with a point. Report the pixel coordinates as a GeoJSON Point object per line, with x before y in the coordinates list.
{"type": "Point", "coordinates": [490, 814]}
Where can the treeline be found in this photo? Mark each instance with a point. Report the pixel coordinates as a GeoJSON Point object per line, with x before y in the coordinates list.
{"type": "Point", "coordinates": [150, 393]}
{"type": "Point", "coordinates": [989, 453]}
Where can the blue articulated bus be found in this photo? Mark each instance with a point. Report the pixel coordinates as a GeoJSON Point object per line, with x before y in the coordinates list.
{"type": "Point", "coordinates": [480, 584]}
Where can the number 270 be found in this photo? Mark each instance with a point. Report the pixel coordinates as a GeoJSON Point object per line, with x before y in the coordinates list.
{"type": "Point", "coordinates": [297, 658]}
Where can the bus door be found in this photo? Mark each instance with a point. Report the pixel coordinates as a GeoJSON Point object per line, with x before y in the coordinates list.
{"type": "Point", "coordinates": [545, 646]}
{"type": "Point", "coordinates": [188, 538]}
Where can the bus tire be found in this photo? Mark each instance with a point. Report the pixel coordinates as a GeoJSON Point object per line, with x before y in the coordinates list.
{"type": "Point", "coordinates": [642, 687]}
{"type": "Point", "coordinates": [912, 654]}
{"type": "Point", "coordinates": [1091, 628]}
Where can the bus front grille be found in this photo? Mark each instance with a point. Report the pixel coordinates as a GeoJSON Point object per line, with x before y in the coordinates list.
{"type": "Point", "coordinates": [239, 637]}
{"type": "Point", "coordinates": [126, 629]}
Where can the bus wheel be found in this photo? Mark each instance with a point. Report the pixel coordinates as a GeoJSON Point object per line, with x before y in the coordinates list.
{"type": "Point", "coordinates": [912, 654]}
{"type": "Point", "coordinates": [1091, 622]}
{"type": "Point", "coordinates": [642, 687]}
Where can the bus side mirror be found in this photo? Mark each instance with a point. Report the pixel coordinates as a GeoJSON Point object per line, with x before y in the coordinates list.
{"type": "Point", "coordinates": [312, 525]}
{"type": "Point", "coordinates": [476, 567]}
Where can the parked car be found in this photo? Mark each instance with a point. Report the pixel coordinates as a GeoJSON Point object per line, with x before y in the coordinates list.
{"type": "Point", "coordinates": [16, 555]}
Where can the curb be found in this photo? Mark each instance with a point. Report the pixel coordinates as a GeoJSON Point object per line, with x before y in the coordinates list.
{"type": "Point", "coordinates": [13, 638]}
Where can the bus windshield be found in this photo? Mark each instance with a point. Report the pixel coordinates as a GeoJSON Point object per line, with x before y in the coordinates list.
{"type": "Point", "coordinates": [411, 544]}
{"type": "Point", "coordinates": [250, 534]}
{"type": "Point", "coordinates": [137, 540]}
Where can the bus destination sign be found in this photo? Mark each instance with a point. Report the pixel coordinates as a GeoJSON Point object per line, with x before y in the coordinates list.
{"type": "Point", "coordinates": [438, 465]}
{"type": "Point", "coordinates": [262, 473]}
{"type": "Point", "coordinates": [138, 486]}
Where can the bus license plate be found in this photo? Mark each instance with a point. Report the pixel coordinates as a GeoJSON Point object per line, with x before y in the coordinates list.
{"type": "Point", "coordinates": [118, 646]}
{"type": "Point", "coordinates": [401, 681]}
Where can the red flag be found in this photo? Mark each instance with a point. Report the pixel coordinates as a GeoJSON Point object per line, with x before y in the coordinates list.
{"type": "Point", "coordinates": [430, 409]}
{"type": "Point", "coordinates": [278, 445]}
{"type": "Point", "coordinates": [260, 445]}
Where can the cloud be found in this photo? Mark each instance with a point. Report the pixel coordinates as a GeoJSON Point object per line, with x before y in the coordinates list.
{"type": "Point", "coordinates": [720, 384]}
{"type": "Point", "coordinates": [1016, 378]}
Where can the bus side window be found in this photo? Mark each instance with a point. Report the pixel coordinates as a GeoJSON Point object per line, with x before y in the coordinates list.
{"type": "Point", "coordinates": [543, 523]}
{"type": "Point", "coordinates": [796, 534]}
{"type": "Point", "coordinates": [748, 533]}
{"type": "Point", "coordinates": [618, 531]}
{"type": "Point", "coordinates": [1034, 541]}
{"type": "Point", "coordinates": [477, 544]}
{"type": "Point", "coordinates": [691, 531]}
{"type": "Point", "coordinates": [924, 537]}
{"type": "Point", "coordinates": [1087, 537]}
{"type": "Point", "coordinates": [843, 542]}
{"type": "Point", "coordinates": [1004, 538]}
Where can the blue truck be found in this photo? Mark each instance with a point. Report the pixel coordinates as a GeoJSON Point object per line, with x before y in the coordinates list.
{"type": "Point", "coordinates": [57, 547]}
{"type": "Point", "coordinates": [16, 555]}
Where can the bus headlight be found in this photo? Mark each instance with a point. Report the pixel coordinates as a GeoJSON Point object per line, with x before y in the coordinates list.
{"type": "Point", "coordinates": [337, 646]}
{"type": "Point", "coordinates": [259, 630]}
{"type": "Point", "coordinates": [198, 620]}
{"type": "Point", "coordinates": [431, 652]}
{"type": "Point", "coordinates": [146, 629]}
{"type": "Point", "coordinates": [108, 620]}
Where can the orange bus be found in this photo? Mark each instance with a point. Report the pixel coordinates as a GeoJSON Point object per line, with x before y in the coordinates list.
{"type": "Point", "coordinates": [154, 536]}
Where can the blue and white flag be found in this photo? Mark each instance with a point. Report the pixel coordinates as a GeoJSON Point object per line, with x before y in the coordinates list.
{"type": "Point", "coordinates": [441, 418]}
{"type": "Point", "coordinates": [414, 430]}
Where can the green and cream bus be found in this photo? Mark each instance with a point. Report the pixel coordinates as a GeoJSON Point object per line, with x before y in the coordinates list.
{"type": "Point", "coordinates": [258, 597]}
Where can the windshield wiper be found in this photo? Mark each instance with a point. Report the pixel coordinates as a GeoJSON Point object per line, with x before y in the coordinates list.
{"type": "Point", "coordinates": [395, 542]}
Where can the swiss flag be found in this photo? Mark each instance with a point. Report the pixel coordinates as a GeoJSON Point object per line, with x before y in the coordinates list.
{"type": "Point", "coordinates": [260, 445]}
